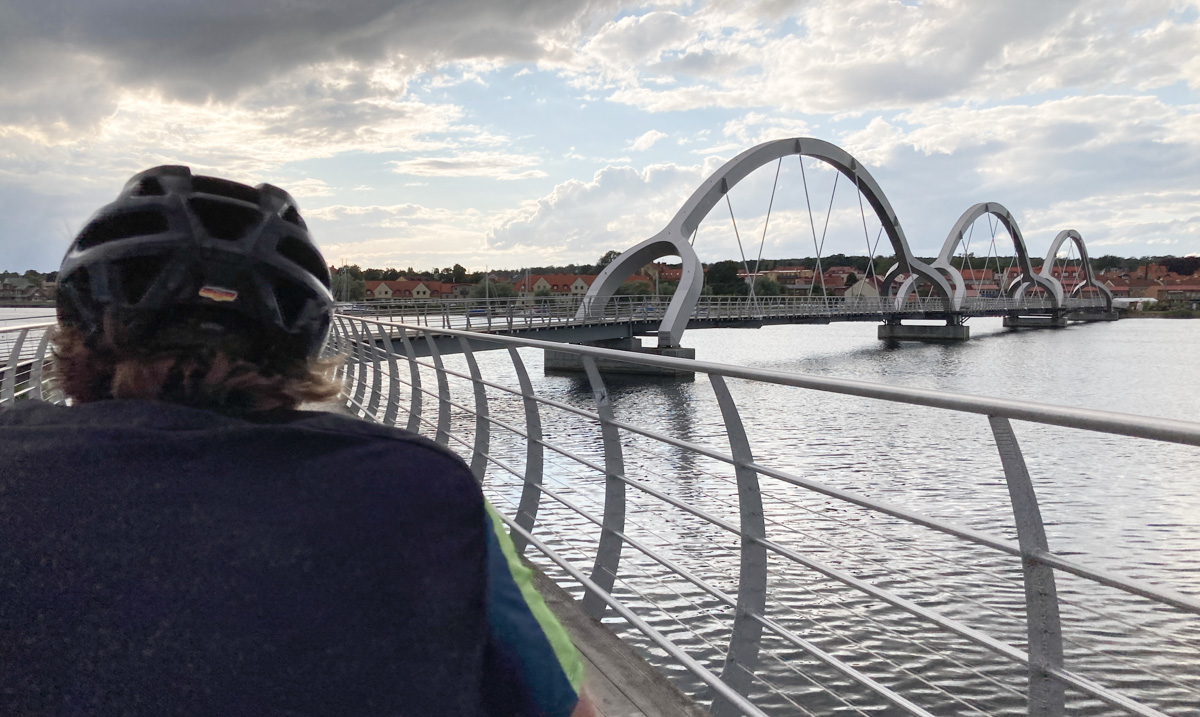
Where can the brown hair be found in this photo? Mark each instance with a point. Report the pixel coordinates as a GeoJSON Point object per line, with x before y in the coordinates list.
{"type": "Point", "coordinates": [212, 377]}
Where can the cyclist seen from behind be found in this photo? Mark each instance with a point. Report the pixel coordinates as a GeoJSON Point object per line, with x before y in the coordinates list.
{"type": "Point", "coordinates": [184, 540]}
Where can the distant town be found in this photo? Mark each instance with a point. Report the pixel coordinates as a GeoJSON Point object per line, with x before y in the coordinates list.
{"type": "Point", "coordinates": [1151, 283]}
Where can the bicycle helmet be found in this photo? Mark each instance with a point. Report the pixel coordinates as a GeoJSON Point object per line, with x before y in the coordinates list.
{"type": "Point", "coordinates": [183, 260]}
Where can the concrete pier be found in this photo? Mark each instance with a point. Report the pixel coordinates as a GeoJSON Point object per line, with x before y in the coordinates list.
{"type": "Point", "coordinates": [559, 361]}
{"type": "Point", "coordinates": [1035, 321]}
{"type": "Point", "coordinates": [921, 332]}
{"type": "Point", "coordinates": [1090, 316]}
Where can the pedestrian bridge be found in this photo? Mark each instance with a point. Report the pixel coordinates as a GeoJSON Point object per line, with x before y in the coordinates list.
{"type": "Point", "coordinates": [909, 289]}
{"type": "Point", "coordinates": [570, 319]}
{"type": "Point", "coordinates": [766, 586]}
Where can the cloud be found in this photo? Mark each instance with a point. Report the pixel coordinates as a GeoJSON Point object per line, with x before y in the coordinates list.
{"type": "Point", "coordinates": [495, 165]}
{"type": "Point", "coordinates": [870, 55]}
{"type": "Point", "coordinates": [60, 61]}
{"type": "Point", "coordinates": [1113, 165]}
{"type": "Point", "coordinates": [646, 141]}
{"type": "Point", "coordinates": [619, 207]}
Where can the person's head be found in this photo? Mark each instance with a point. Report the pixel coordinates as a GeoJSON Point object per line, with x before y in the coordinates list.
{"type": "Point", "coordinates": [194, 290]}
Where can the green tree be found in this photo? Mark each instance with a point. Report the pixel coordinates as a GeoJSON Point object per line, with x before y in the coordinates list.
{"type": "Point", "coordinates": [635, 288]}
{"type": "Point", "coordinates": [492, 290]}
{"type": "Point", "coordinates": [458, 274]}
{"type": "Point", "coordinates": [608, 258]}
{"type": "Point", "coordinates": [765, 287]}
{"type": "Point", "coordinates": [723, 278]}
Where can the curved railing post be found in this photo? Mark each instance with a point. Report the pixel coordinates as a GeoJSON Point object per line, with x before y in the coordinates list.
{"type": "Point", "coordinates": [531, 492]}
{"type": "Point", "coordinates": [39, 365]}
{"type": "Point", "coordinates": [1046, 694]}
{"type": "Point", "coordinates": [393, 400]}
{"type": "Point", "coordinates": [443, 425]}
{"type": "Point", "coordinates": [483, 426]}
{"type": "Point", "coordinates": [414, 374]}
{"type": "Point", "coordinates": [742, 657]}
{"type": "Point", "coordinates": [608, 551]}
{"type": "Point", "coordinates": [376, 375]}
{"type": "Point", "coordinates": [360, 367]}
{"type": "Point", "coordinates": [8, 387]}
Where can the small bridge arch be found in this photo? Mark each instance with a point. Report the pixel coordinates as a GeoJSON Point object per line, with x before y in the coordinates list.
{"type": "Point", "coordinates": [1089, 280]}
{"type": "Point", "coordinates": [1027, 277]}
{"type": "Point", "coordinates": [673, 239]}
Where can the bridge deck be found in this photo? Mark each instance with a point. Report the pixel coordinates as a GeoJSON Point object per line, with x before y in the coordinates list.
{"type": "Point", "coordinates": [620, 682]}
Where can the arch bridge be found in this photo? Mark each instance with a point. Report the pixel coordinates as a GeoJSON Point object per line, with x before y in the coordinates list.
{"type": "Point", "coordinates": [1030, 292]}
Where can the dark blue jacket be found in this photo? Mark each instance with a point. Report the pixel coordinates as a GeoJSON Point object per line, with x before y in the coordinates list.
{"type": "Point", "coordinates": [157, 559]}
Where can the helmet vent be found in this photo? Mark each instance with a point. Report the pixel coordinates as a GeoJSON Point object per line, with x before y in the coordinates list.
{"type": "Point", "coordinates": [292, 216]}
{"type": "Point", "coordinates": [137, 274]}
{"type": "Point", "coordinates": [149, 187]}
{"type": "Point", "coordinates": [224, 188]}
{"type": "Point", "coordinates": [125, 225]}
{"type": "Point", "coordinates": [223, 220]}
{"type": "Point", "coordinates": [303, 255]}
{"type": "Point", "coordinates": [291, 300]}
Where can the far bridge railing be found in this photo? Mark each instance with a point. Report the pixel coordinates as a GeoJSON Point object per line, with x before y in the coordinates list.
{"type": "Point", "coordinates": [518, 314]}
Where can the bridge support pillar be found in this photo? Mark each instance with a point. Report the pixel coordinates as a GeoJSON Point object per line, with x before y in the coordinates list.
{"type": "Point", "coordinates": [1089, 316]}
{"type": "Point", "coordinates": [952, 331]}
{"type": "Point", "coordinates": [561, 361]}
{"type": "Point", "coordinates": [1035, 321]}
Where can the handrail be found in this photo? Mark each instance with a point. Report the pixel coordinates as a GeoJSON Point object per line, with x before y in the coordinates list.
{"type": "Point", "coordinates": [1050, 677]}
{"type": "Point", "coordinates": [591, 471]}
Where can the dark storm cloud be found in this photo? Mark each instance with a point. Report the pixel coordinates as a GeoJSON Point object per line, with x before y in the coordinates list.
{"type": "Point", "coordinates": [62, 60]}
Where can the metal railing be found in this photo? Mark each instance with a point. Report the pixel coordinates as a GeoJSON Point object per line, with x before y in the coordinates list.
{"type": "Point", "coordinates": [761, 584]}
{"type": "Point", "coordinates": [584, 484]}
{"type": "Point", "coordinates": [25, 360]}
{"type": "Point", "coordinates": [515, 314]}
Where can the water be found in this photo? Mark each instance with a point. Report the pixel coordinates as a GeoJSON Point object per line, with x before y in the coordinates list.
{"type": "Point", "coordinates": [1127, 505]}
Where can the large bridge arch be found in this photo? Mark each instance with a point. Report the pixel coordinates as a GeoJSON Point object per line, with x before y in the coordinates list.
{"type": "Point", "coordinates": [1086, 263]}
{"type": "Point", "coordinates": [673, 239]}
{"type": "Point", "coordinates": [1026, 279]}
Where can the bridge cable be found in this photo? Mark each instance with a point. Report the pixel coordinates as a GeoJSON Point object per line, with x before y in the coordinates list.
{"type": "Point", "coordinates": [994, 252]}
{"type": "Point", "coordinates": [745, 266]}
{"type": "Point", "coordinates": [813, 226]}
{"type": "Point", "coordinates": [870, 274]}
{"type": "Point", "coordinates": [766, 223]}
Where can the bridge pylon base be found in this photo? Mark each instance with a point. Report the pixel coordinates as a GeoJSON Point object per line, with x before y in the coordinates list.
{"type": "Point", "coordinates": [562, 362]}
{"type": "Point", "coordinates": [1035, 321]}
{"type": "Point", "coordinates": [922, 332]}
{"type": "Point", "coordinates": [1090, 316]}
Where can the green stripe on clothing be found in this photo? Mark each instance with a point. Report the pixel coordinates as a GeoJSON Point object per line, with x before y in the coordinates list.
{"type": "Point", "coordinates": [564, 651]}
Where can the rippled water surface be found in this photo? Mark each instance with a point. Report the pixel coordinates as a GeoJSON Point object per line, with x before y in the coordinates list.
{"type": "Point", "coordinates": [1127, 505]}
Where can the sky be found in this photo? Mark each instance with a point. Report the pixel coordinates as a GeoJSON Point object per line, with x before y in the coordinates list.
{"type": "Point", "coordinates": [511, 133]}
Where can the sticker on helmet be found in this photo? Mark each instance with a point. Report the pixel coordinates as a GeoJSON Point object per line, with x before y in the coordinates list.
{"type": "Point", "coordinates": [216, 293]}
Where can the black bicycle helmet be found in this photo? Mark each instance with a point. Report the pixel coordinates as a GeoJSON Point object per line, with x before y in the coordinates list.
{"type": "Point", "coordinates": [184, 260]}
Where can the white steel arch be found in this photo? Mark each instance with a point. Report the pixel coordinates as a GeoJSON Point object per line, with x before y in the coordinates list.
{"type": "Point", "coordinates": [1026, 279]}
{"type": "Point", "coordinates": [1089, 276]}
{"type": "Point", "coordinates": [673, 239]}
